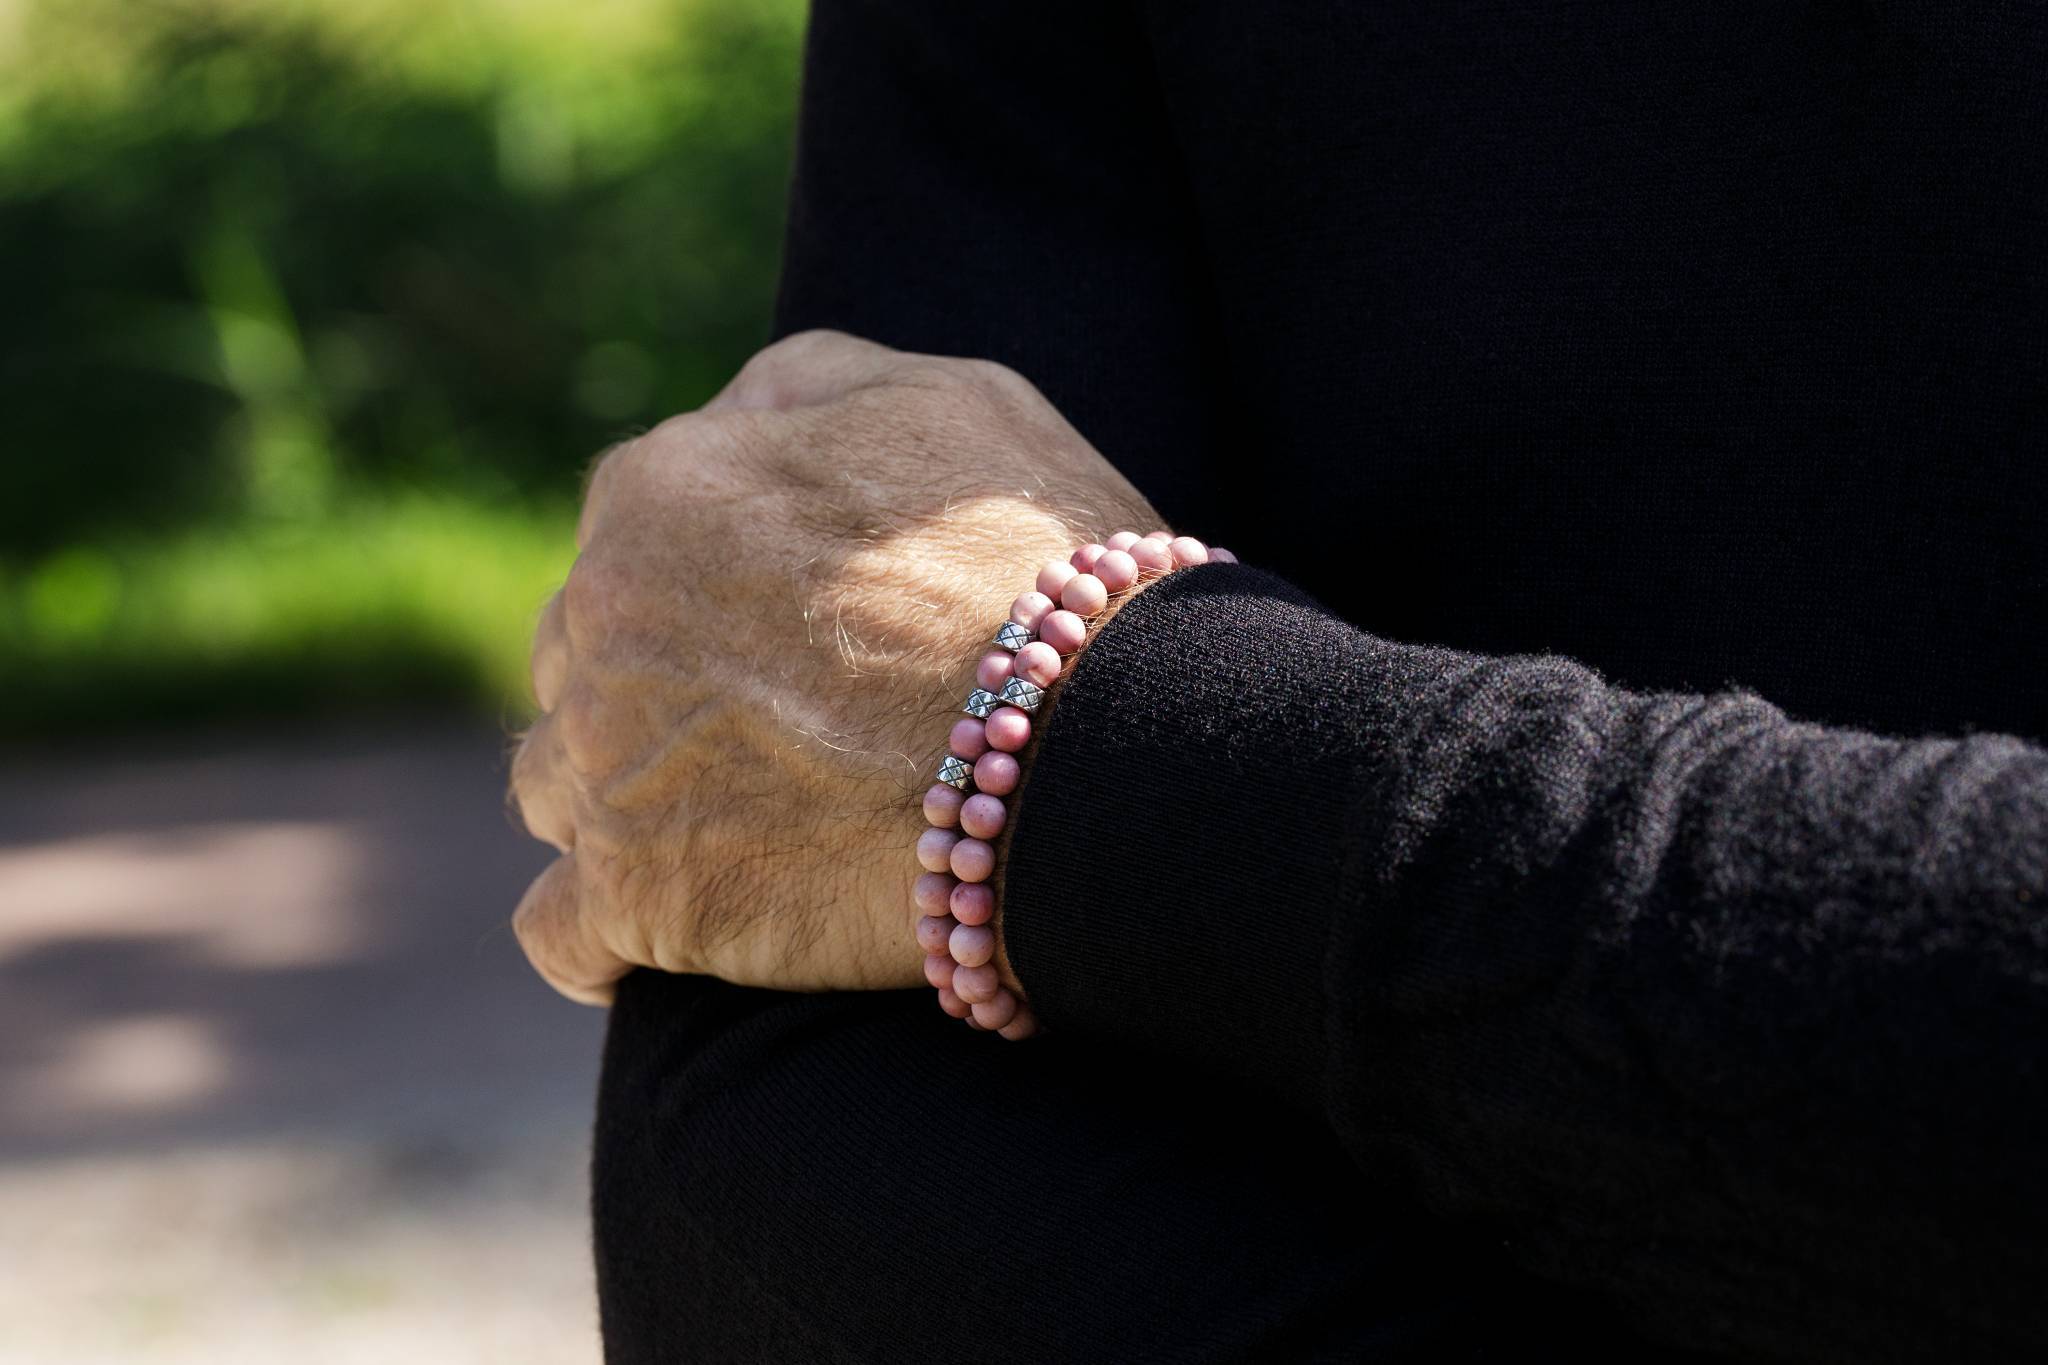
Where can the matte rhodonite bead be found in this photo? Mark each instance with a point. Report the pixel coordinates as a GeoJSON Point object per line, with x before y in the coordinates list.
{"type": "Point", "coordinates": [993, 1014]}
{"type": "Point", "coordinates": [1038, 662]}
{"type": "Point", "coordinates": [935, 933]}
{"type": "Point", "coordinates": [1054, 576]}
{"type": "Point", "coordinates": [933, 892]}
{"type": "Point", "coordinates": [997, 773]}
{"type": "Point", "coordinates": [1151, 557]}
{"type": "Point", "coordinates": [1084, 595]}
{"type": "Point", "coordinates": [972, 902]}
{"type": "Point", "coordinates": [980, 815]}
{"type": "Point", "coordinates": [942, 806]}
{"type": "Point", "coordinates": [1063, 630]}
{"type": "Point", "coordinates": [994, 670]}
{"type": "Point", "coordinates": [969, 739]}
{"type": "Point", "coordinates": [1009, 730]}
{"type": "Point", "coordinates": [976, 984]}
{"type": "Point", "coordinates": [972, 944]}
{"type": "Point", "coordinates": [935, 850]}
{"type": "Point", "coordinates": [1117, 570]}
{"type": "Point", "coordinates": [1123, 540]}
{"type": "Point", "coordinates": [1030, 608]}
{"type": "Point", "coordinates": [972, 860]}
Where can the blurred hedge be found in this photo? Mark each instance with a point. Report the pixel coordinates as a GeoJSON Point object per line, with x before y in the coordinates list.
{"type": "Point", "coordinates": [273, 269]}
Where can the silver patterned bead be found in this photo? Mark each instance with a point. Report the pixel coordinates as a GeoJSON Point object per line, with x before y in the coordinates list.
{"type": "Point", "coordinates": [1012, 636]}
{"type": "Point", "coordinates": [956, 773]}
{"type": "Point", "coordinates": [1023, 694]}
{"type": "Point", "coordinates": [980, 702]}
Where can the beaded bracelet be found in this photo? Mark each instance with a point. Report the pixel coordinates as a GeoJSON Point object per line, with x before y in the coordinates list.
{"type": "Point", "coordinates": [965, 810]}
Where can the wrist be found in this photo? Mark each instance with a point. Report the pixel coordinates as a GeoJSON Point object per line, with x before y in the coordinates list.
{"type": "Point", "coordinates": [973, 809]}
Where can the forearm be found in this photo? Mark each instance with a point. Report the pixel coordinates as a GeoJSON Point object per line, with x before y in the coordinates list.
{"type": "Point", "coordinates": [1731, 1015]}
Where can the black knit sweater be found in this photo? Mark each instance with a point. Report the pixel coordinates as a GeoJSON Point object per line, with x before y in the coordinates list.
{"type": "Point", "coordinates": [1704, 346]}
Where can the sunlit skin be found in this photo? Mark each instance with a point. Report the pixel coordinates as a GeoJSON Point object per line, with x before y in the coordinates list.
{"type": "Point", "coordinates": [750, 674]}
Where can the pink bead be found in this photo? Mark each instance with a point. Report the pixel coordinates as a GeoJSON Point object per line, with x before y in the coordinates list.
{"type": "Point", "coordinates": [982, 816]}
{"type": "Point", "coordinates": [935, 849]}
{"type": "Point", "coordinates": [972, 944]}
{"type": "Point", "coordinates": [934, 935]}
{"type": "Point", "coordinates": [1054, 576]}
{"type": "Point", "coordinates": [1038, 662]}
{"type": "Point", "coordinates": [1084, 595]}
{"type": "Point", "coordinates": [1161, 536]}
{"type": "Point", "coordinates": [933, 893]}
{"type": "Point", "coordinates": [1063, 630]}
{"type": "Point", "coordinates": [997, 773]}
{"type": "Point", "coordinates": [1124, 540]}
{"type": "Point", "coordinates": [1021, 1027]}
{"type": "Point", "coordinates": [973, 860]}
{"type": "Point", "coordinates": [969, 739]}
{"type": "Point", "coordinates": [942, 806]}
{"type": "Point", "coordinates": [1219, 555]}
{"type": "Point", "coordinates": [1085, 557]}
{"type": "Point", "coordinates": [938, 970]}
{"type": "Point", "coordinates": [976, 984]}
{"type": "Point", "coordinates": [953, 1004]}
{"type": "Point", "coordinates": [1117, 570]}
{"type": "Point", "coordinates": [1009, 730]}
{"type": "Point", "coordinates": [1151, 557]}
{"type": "Point", "coordinates": [994, 669]}
{"type": "Point", "coordinates": [1188, 551]}
{"type": "Point", "coordinates": [973, 903]}
{"type": "Point", "coordinates": [1030, 608]}
{"type": "Point", "coordinates": [996, 1013]}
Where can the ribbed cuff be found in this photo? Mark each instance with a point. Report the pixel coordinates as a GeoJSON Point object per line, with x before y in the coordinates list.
{"type": "Point", "coordinates": [1180, 838]}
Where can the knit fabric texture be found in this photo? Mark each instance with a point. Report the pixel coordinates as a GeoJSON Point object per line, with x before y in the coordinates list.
{"type": "Point", "coordinates": [1735, 1018]}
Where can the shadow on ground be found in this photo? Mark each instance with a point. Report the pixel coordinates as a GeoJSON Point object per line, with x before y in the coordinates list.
{"type": "Point", "coordinates": [274, 1079]}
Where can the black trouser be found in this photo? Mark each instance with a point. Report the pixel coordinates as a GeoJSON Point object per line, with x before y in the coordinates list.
{"type": "Point", "coordinates": [856, 1177]}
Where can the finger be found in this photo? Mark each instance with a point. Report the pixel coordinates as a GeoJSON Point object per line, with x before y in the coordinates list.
{"type": "Point", "coordinates": [560, 940]}
{"type": "Point", "coordinates": [806, 369]}
{"type": "Point", "coordinates": [542, 789]}
{"type": "Point", "coordinates": [596, 489]}
{"type": "Point", "coordinates": [550, 655]}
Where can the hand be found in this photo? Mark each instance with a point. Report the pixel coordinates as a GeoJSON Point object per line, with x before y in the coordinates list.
{"type": "Point", "coordinates": [747, 680]}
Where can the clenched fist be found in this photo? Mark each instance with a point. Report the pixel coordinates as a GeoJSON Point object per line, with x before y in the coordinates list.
{"type": "Point", "coordinates": [747, 679]}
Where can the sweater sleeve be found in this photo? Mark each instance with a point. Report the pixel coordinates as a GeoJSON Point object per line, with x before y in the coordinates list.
{"type": "Point", "coordinates": [1736, 1018]}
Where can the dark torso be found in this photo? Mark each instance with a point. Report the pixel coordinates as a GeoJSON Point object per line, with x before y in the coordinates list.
{"type": "Point", "coordinates": [1703, 343]}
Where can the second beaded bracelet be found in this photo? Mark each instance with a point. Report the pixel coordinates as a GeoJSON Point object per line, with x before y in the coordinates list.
{"type": "Point", "coordinates": [965, 808]}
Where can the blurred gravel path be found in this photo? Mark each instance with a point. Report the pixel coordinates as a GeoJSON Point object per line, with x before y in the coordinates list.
{"type": "Point", "coordinates": [274, 1081]}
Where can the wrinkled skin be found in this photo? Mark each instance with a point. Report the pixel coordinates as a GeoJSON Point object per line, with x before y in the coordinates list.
{"type": "Point", "coordinates": [748, 679]}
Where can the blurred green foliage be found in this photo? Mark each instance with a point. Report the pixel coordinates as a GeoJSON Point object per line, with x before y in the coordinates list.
{"type": "Point", "coordinates": [300, 299]}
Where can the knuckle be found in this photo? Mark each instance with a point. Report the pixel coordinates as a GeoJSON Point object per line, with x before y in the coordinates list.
{"type": "Point", "coordinates": [594, 599]}
{"type": "Point", "coordinates": [999, 379]}
{"type": "Point", "coordinates": [606, 471]}
{"type": "Point", "coordinates": [586, 734]}
{"type": "Point", "coordinates": [769, 374]}
{"type": "Point", "coordinates": [695, 455]}
{"type": "Point", "coordinates": [526, 769]}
